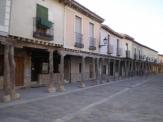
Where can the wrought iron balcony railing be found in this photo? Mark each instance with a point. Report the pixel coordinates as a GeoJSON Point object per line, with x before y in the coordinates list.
{"type": "Point", "coordinates": [128, 54]}
{"type": "Point", "coordinates": [43, 29]}
{"type": "Point", "coordinates": [79, 40]}
{"type": "Point", "coordinates": [92, 43]}
{"type": "Point", "coordinates": [119, 52]}
{"type": "Point", "coordinates": [110, 49]}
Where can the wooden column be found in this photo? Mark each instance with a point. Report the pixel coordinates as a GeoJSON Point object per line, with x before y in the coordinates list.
{"type": "Point", "coordinates": [132, 63]}
{"type": "Point", "coordinates": [82, 84]}
{"type": "Point", "coordinates": [7, 86]}
{"type": "Point", "coordinates": [125, 67]}
{"type": "Point", "coordinates": [98, 70]}
{"type": "Point", "coordinates": [108, 70]}
{"type": "Point", "coordinates": [114, 66]}
{"type": "Point", "coordinates": [94, 69]}
{"type": "Point", "coordinates": [51, 87]}
{"type": "Point", "coordinates": [102, 75]}
{"type": "Point", "coordinates": [9, 74]}
{"type": "Point", "coordinates": [119, 66]}
{"type": "Point", "coordinates": [61, 83]}
{"type": "Point", "coordinates": [12, 72]}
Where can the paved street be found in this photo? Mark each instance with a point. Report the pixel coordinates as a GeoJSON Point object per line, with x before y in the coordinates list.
{"type": "Point", "coordinates": [132, 100]}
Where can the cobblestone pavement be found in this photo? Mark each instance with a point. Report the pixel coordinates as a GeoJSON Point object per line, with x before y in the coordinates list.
{"type": "Point", "coordinates": [132, 100]}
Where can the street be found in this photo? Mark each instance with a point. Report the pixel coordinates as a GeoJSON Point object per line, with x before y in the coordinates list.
{"type": "Point", "coordinates": [138, 99]}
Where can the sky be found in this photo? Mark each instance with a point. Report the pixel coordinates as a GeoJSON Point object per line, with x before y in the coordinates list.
{"type": "Point", "coordinates": [141, 19]}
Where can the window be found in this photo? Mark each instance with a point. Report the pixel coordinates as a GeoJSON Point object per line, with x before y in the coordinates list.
{"type": "Point", "coordinates": [78, 32]}
{"type": "Point", "coordinates": [43, 28]}
{"type": "Point", "coordinates": [126, 46]}
{"type": "Point", "coordinates": [80, 67]}
{"type": "Point", "coordinates": [42, 17]}
{"type": "Point", "coordinates": [135, 51]}
{"type": "Point", "coordinates": [1, 65]}
{"type": "Point", "coordinates": [91, 30]}
{"type": "Point", "coordinates": [78, 26]}
{"type": "Point", "coordinates": [139, 54]}
{"type": "Point", "coordinates": [118, 47]}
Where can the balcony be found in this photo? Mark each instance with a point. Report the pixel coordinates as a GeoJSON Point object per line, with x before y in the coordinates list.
{"type": "Point", "coordinates": [79, 40]}
{"type": "Point", "coordinates": [110, 49]}
{"type": "Point", "coordinates": [147, 59]}
{"type": "Point", "coordinates": [135, 56]}
{"type": "Point", "coordinates": [43, 29]}
{"type": "Point", "coordinates": [119, 52]}
{"type": "Point", "coordinates": [92, 43]}
{"type": "Point", "coordinates": [128, 54]}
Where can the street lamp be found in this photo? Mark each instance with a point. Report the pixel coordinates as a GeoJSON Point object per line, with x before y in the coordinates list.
{"type": "Point", "coordinates": [105, 42]}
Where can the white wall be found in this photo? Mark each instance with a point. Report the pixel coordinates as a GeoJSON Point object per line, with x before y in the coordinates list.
{"type": "Point", "coordinates": [4, 16]}
{"type": "Point", "coordinates": [113, 42]}
{"type": "Point", "coordinates": [124, 41]}
{"type": "Point", "coordinates": [70, 14]}
{"type": "Point", "coordinates": [23, 12]}
{"type": "Point", "coordinates": [150, 53]}
{"type": "Point", "coordinates": [103, 35]}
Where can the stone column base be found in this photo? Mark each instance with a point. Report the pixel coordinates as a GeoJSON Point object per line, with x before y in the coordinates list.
{"type": "Point", "coordinates": [6, 98]}
{"type": "Point", "coordinates": [82, 85]}
{"type": "Point", "coordinates": [51, 89]}
{"type": "Point", "coordinates": [61, 88]}
{"type": "Point", "coordinates": [9, 98]}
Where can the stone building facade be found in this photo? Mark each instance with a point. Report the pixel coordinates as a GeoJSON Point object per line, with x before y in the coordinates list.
{"type": "Point", "coordinates": [54, 42]}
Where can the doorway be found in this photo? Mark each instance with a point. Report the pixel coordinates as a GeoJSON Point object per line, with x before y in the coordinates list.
{"type": "Point", "coordinates": [19, 71]}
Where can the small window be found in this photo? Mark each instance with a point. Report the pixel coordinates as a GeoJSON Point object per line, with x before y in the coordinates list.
{"type": "Point", "coordinates": [80, 67]}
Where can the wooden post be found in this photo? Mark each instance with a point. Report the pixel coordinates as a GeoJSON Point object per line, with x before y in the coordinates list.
{"type": "Point", "coordinates": [61, 68]}
{"type": "Point", "coordinates": [9, 74]}
{"type": "Point", "coordinates": [13, 93]}
{"type": "Point", "coordinates": [108, 70]}
{"type": "Point", "coordinates": [51, 87]}
{"type": "Point", "coordinates": [102, 76]}
{"type": "Point", "coordinates": [82, 84]}
{"type": "Point", "coordinates": [119, 68]}
{"type": "Point", "coordinates": [7, 86]}
{"type": "Point", "coordinates": [114, 66]}
{"type": "Point", "coordinates": [98, 71]}
{"type": "Point", "coordinates": [94, 70]}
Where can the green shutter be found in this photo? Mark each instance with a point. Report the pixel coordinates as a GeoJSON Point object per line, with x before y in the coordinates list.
{"type": "Point", "coordinates": [42, 16]}
{"type": "Point", "coordinates": [42, 12]}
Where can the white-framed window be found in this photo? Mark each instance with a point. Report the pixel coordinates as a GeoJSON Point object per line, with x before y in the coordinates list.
{"type": "Point", "coordinates": [91, 30]}
{"type": "Point", "coordinates": [78, 24]}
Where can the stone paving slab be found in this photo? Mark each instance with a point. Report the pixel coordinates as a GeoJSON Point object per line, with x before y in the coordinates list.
{"type": "Point", "coordinates": [114, 102]}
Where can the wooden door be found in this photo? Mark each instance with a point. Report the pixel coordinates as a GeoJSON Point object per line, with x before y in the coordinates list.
{"type": "Point", "coordinates": [19, 71]}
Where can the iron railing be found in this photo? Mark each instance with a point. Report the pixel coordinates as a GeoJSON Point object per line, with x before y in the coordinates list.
{"type": "Point", "coordinates": [119, 52]}
{"type": "Point", "coordinates": [79, 40]}
{"type": "Point", "coordinates": [43, 29]}
{"type": "Point", "coordinates": [110, 49]}
{"type": "Point", "coordinates": [128, 54]}
{"type": "Point", "coordinates": [92, 43]}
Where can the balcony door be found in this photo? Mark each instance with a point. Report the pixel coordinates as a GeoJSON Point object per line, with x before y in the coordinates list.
{"type": "Point", "coordinates": [91, 30]}
{"type": "Point", "coordinates": [78, 29]}
{"type": "Point", "coordinates": [78, 24]}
